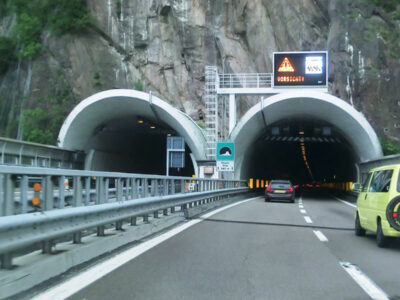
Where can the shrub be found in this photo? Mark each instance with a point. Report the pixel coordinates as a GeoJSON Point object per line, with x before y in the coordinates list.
{"type": "Point", "coordinates": [388, 147]}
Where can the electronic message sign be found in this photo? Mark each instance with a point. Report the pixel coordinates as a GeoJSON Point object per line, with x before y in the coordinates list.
{"type": "Point", "coordinates": [301, 69]}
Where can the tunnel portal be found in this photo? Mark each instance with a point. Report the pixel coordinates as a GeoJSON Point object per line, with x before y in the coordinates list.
{"type": "Point", "coordinates": [126, 131]}
{"type": "Point", "coordinates": [303, 136]}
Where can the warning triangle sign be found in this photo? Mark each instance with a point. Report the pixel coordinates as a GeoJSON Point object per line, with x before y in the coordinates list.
{"type": "Point", "coordinates": [286, 66]}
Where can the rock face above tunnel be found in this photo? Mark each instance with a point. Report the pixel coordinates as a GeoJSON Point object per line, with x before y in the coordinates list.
{"type": "Point", "coordinates": [163, 46]}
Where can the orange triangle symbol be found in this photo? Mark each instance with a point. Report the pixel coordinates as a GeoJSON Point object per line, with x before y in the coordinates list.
{"type": "Point", "coordinates": [286, 66]}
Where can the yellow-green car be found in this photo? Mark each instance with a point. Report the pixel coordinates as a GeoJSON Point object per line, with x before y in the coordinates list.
{"type": "Point", "coordinates": [378, 204]}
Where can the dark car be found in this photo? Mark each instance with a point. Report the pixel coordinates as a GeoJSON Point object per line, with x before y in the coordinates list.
{"type": "Point", "coordinates": [280, 190]}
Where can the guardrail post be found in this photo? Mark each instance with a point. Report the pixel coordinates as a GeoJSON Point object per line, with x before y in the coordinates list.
{"type": "Point", "coordinates": [24, 194]}
{"type": "Point", "coordinates": [165, 212]}
{"type": "Point", "coordinates": [106, 188]}
{"type": "Point", "coordinates": [7, 205]}
{"type": "Point", "coordinates": [77, 191]}
{"type": "Point", "coordinates": [119, 190]}
{"type": "Point", "coordinates": [172, 209]}
{"type": "Point", "coordinates": [77, 237]}
{"type": "Point", "coordinates": [118, 225]}
{"type": "Point", "coordinates": [61, 191]}
{"type": "Point", "coordinates": [100, 187]}
{"type": "Point", "coordinates": [166, 187]}
{"type": "Point", "coordinates": [87, 190]}
{"type": "Point", "coordinates": [145, 219]}
{"type": "Point", "coordinates": [173, 187]}
{"type": "Point", "coordinates": [47, 247]}
{"type": "Point", "coordinates": [6, 260]}
{"type": "Point", "coordinates": [134, 192]}
{"type": "Point", "coordinates": [133, 221]}
{"type": "Point", "coordinates": [156, 214]}
{"type": "Point", "coordinates": [48, 193]}
{"type": "Point", "coordinates": [182, 186]}
{"type": "Point", "coordinates": [145, 187]}
{"type": "Point", "coordinates": [100, 230]}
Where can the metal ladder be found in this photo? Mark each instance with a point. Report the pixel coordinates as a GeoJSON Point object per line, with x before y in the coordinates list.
{"type": "Point", "coordinates": [211, 108]}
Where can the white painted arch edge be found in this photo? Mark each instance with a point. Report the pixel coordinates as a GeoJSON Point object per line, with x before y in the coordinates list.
{"type": "Point", "coordinates": [185, 126]}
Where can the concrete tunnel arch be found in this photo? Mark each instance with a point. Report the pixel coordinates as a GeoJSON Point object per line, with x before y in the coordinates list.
{"type": "Point", "coordinates": [353, 126]}
{"type": "Point", "coordinates": [116, 112]}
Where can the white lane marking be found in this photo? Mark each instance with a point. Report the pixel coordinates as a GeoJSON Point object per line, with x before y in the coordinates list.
{"type": "Point", "coordinates": [308, 219]}
{"type": "Point", "coordinates": [345, 202]}
{"type": "Point", "coordinates": [320, 236]}
{"type": "Point", "coordinates": [374, 291]}
{"type": "Point", "coordinates": [75, 284]}
{"type": "Point", "coordinates": [301, 206]}
{"type": "Point", "coordinates": [303, 211]}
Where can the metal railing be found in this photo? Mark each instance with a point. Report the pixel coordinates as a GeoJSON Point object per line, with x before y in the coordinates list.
{"type": "Point", "coordinates": [93, 200]}
{"type": "Point", "coordinates": [61, 188]}
{"type": "Point", "coordinates": [22, 153]}
{"type": "Point", "coordinates": [244, 80]}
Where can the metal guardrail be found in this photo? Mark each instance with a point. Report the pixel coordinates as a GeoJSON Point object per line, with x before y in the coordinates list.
{"type": "Point", "coordinates": [244, 80]}
{"type": "Point", "coordinates": [115, 197]}
{"type": "Point", "coordinates": [87, 188]}
{"type": "Point", "coordinates": [22, 153]}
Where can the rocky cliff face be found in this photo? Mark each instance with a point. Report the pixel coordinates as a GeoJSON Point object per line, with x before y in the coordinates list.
{"type": "Point", "coordinates": [164, 45]}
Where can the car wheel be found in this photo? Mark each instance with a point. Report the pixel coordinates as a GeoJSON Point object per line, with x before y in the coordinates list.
{"type": "Point", "coordinates": [381, 240]}
{"type": "Point", "coordinates": [267, 200]}
{"type": "Point", "coordinates": [358, 229]}
{"type": "Point", "coordinates": [292, 200]}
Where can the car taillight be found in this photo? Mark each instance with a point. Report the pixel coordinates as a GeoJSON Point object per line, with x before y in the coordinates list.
{"type": "Point", "coordinates": [290, 190]}
{"type": "Point", "coordinates": [395, 215]}
{"type": "Point", "coordinates": [269, 188]}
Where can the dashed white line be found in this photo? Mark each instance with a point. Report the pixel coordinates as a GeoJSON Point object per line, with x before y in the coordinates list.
{"type": "Point", "coordinates": [308, 219]}
{"type": "Point", "coordinates": [301, 206]}
{"type": "Point", "coordinates": [303, 211]}
{"type": "Point", "coordinates": [320, 236]}
{"type": "Point", "coordinates": [374, 291]}
{"type": "Point", "coordinates": [75, 284]}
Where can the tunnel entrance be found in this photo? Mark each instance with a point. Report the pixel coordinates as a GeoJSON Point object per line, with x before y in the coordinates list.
{"type": "Point", "coordinates": [126, 131]}
{"type": "Point", "coordinates": [303, 151]}
{"type": "Point", "coordinates": [303, 136]}
{"type": "Point", "coordinates": [134, 144]}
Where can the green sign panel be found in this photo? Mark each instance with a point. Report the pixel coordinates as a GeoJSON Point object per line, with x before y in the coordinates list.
{"type": "Point", "coordinates": [225, 151]}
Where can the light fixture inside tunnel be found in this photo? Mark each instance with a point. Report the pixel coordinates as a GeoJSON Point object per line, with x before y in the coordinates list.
{"type": "Point", "coordinates": [140, 121]}
{"type": "Point", "coordinates": [152, 127]}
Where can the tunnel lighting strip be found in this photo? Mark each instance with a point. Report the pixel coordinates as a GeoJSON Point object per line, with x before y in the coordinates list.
{"type": "Point", "coordinates": [303, 152]}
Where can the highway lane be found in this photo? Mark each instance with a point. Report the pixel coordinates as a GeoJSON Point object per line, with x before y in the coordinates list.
{"type": "Point", "coordinates": [257, 250]}
{"type": "Point", "coordinates": [381, 265]}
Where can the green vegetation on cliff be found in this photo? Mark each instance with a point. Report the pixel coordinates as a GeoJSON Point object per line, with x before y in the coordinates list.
{"type": "Point", "coordinates": [7, 56]}
{"type": "Point", "coordinates": [388, 147]}
{"type": "Point", "coordinates": [35, 16]}
{"type": "Point", "coordinates": [41, 124]}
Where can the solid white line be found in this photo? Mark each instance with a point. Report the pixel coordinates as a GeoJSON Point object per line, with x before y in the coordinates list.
{"type": "Point", "coordinates": [345, 202]}
{"type": "Point", "coordinates": [308, 219]}
{"type": "Point", "coordinates": [374, 291]}
{"type": "Point", "coordinates": [303, 211]}
{"type": "Point", "coordinates": [320, 236]}
{"type": "Point", "coordinates": [75, 284]}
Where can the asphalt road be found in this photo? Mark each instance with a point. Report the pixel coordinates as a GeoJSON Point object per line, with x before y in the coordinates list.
{"type": "Point", "coordinates": [259, 250]}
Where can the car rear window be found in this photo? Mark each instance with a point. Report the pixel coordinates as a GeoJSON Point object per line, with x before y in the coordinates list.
{"type": "Point", "coordinates": [283, 186]}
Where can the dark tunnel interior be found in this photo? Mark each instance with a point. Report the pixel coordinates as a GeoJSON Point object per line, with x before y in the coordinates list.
{"type": "Point", "coordinates": [303, 151]}
{"type": "Point", "coordinates": [136, 145]}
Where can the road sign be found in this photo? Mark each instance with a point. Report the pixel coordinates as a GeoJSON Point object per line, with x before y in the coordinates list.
{"type": "Point", "coordinates": [301, 69]}
{"type": "Point", "coordinates": [225, 156]}
{"type": "Point", "coordinates": [225, 151]}
{"type": "Point", "coordinates": [175, 152]}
